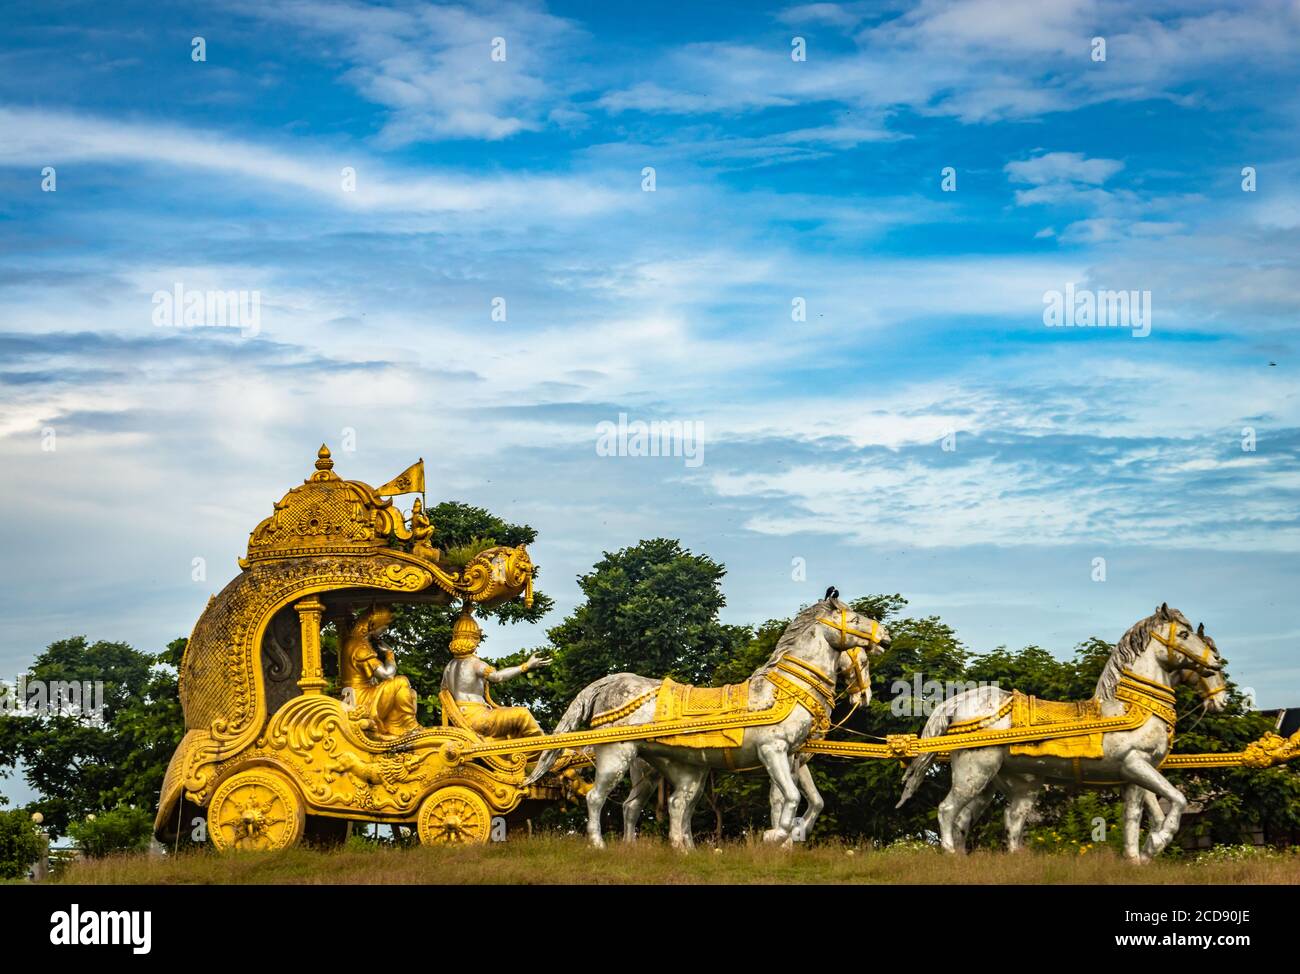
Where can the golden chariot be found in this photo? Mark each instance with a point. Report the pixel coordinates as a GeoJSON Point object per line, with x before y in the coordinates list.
{"type": "Point", "coordinates": [270, 756]}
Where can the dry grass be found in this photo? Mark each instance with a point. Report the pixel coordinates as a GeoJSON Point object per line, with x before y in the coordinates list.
{"type": "Point", "coordinates": [564, 860]}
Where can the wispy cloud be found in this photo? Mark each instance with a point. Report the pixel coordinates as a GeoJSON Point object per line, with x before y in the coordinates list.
{"type": "Point", "coordinates": [41, 137]}
{"type": "Point", "coordinates": [453, 71]}
{"type": "Point", "coordinates": [979, 61]}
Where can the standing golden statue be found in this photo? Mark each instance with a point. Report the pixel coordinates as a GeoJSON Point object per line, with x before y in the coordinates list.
{"type": "Point", "coordinates": [466, 680]}
{"type": "Point", "coordinates": [382, 701]}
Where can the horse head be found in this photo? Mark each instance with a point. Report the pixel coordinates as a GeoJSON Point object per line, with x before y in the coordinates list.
{"type": "Point", "coordinates": [857, 638]}
{"type": "Point", "coordinates": [1191, 656]}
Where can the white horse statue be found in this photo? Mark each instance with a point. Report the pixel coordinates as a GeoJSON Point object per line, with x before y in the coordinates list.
{"type": "Point", "coordinates": [823, 641]}
{"type": "Point", "coordinates": [1156, 654]}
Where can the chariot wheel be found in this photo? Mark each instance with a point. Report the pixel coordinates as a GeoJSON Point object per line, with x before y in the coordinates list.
{"type": "Point", "coordinates": [454, 815]}
{"type": "Point", "coordinates": [257, 810]}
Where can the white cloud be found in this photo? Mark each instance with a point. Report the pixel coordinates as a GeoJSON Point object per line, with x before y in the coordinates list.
{"type": "Point", "coordinates": [1072, 168]}
{"type": "Point", "coordinates": [432, 67]}
{"type": "Point", "coordinates": [974, 60]}
{"type": "Point", "coordinates": [37, 137]}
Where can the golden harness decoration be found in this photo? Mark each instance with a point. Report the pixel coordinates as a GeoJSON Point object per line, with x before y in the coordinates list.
{"type": "Point", "coordinates": [675, 701]}
{"type": "Point", "coordinates": [721, 713]}
{"type": "Point", "coordinates": [845, 631]}
{"type": "Point", "coordinates": [853, 652]}
{"type": "Point", "coordinates": [1143, 697]}
{"type": "Point", "coordinates": [618, 713]}
{"type": "Point", "coordinates": [1171, 642]}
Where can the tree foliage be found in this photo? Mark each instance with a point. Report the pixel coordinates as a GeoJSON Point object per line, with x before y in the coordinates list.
{"type": "Point", "coordinates": [81, 764]}
{"type": "Point", "coordinates": [122, 829]}
{"type": "Point", "coordinates": [651, 608]}
{"type": "Point", "coordinates": [20, 843]}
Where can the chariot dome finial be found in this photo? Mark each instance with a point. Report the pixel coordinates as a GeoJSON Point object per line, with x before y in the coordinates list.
{"type": "Point", "coordinates": [323, 461]}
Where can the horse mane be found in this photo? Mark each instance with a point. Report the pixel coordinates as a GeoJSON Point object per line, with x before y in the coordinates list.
{"type": "Point", "coordinates": [797, 627]}
{"type": "Point", "coordinates": [1131, 645]}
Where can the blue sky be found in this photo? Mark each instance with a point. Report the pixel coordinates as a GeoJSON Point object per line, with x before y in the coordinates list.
{"type": "Point", "coordinates": [775, 179]}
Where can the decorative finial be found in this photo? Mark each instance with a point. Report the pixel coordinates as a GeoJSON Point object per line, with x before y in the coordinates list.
{"type": "Point", "coordinates": [323, 461]}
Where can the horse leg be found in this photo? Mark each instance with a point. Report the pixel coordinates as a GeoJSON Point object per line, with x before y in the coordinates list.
{"type": "Point", "coordinates": [775, 799]}
{"type": "Point", "coordinates": [688, 785]}
{"type": "Point", "coordinates": [612, 761]}
{"type": "Point", "coordinates": [1133, 801]}
{"type": "Point", "coordinates": [1020, 802]}
{"type": "Point", "coordinates": [803, 778]}
{"type": "Point", "coordinates": [643, 783]}
{"type": "Point", "coordinates": [1138, 771]}
{"type": "Point", "coordinates": [776, 758]}
{"type": "Point", "coordinates": [972, 771]}
{"type": "Point", "coordinates": [971, 813]}
{"type": "Point", "coordinates": [1156, 813]}
{"type": "Point", "coordinates": [694, 794]}
{"type": "Point", "coordinates": [804, 823]}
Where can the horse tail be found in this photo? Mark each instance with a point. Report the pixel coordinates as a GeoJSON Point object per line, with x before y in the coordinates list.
{"type": "Point", "coordinates": [579, 712]}
{"type": "Point", "coordinates": [938, 723]}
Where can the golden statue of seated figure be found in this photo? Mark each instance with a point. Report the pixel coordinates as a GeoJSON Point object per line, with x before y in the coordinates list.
{"type": "Point", "coordinates": [383, 702]}
{"type": "Point", "coordinates": [422, 533]}
{"type": "Point", "coordinates": [466, 680]}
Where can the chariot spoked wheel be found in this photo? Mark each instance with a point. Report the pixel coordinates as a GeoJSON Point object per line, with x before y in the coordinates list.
{"type": "Point", "coordinates": [454, 816]}
{"type": "Point", "coordinates": [256, 810]}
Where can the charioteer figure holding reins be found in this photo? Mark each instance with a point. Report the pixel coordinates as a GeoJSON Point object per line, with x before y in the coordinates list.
{"type": "Point", "coordinates": [466, 685]}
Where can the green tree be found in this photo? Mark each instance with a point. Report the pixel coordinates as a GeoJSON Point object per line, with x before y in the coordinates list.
{"type": "Point", "coordinates": [83, 763]}
{"type": "Point", "coordinates": [1232, 802]}
{"type": "Point", "coordinates": [651, 609]}
{"type": "Point", "coordinates": [20, 843]}
{"type": "Point", "coordinates": [151, 725]}
{"type": "Point", "coordinates": [122, 829]}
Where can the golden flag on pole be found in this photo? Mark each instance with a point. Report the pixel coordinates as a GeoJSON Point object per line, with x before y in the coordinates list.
{"type": "Point", "coordinates": [409, 481]}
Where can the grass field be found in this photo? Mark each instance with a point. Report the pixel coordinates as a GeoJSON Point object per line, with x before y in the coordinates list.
{"type": "Point", "coordinates": [566, 860]}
